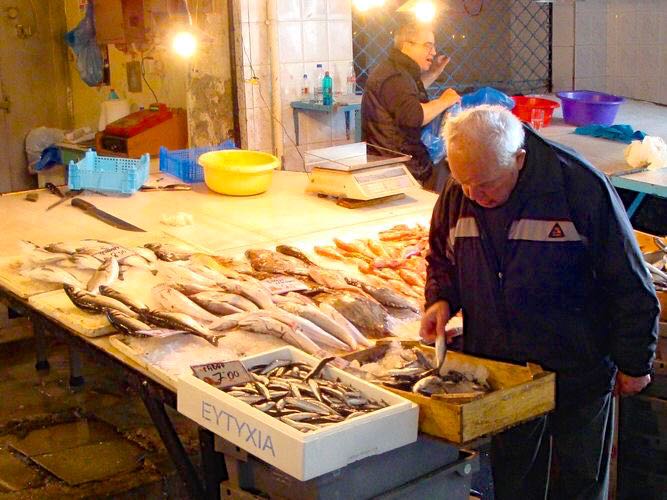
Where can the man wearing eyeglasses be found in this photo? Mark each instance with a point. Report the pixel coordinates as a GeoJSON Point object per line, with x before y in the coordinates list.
{"type": "Point", "coordinates": [395, 105]}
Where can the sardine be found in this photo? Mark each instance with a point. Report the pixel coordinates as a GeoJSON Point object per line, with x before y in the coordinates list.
{"type": "Point", "coordinates": [91, 302]}
{"type": "Point", "coordinates": [106, 274]}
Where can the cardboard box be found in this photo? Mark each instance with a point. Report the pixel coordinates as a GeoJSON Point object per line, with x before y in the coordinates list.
{"type": "Point", "coordinates": [520, 393]}
{"type": "Point", "coordinates": [303, 456]}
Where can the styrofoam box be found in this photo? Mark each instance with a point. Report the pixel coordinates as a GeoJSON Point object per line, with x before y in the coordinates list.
{"type": "Point", "coordinates": [301, 455]}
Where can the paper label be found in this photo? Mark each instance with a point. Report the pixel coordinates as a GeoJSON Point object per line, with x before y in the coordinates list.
{"type": "Point", "coordinates": [284, 284]}
{"type": "Point", "coordinates": [222, 374]}
{"type": "Point", "coordinates": [118, 252]}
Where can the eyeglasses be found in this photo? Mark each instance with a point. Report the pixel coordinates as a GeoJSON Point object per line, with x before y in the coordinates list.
{"type": "Point", "coordinates": [427, 45]}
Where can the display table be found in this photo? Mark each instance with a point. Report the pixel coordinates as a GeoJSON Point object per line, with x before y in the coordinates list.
{"type": "Point", "coordinates": [608, 156]}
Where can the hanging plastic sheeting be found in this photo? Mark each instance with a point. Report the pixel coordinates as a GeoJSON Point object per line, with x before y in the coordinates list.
{"type": "Point", "coordinates": [88, 56]}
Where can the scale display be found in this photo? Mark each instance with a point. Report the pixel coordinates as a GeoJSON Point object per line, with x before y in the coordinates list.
{"type": "Point", "coordinates": [349, 172]}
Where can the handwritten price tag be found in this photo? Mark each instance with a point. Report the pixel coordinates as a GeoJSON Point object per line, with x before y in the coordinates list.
{"type": "Point", "coordinates": [222, 375]}
{"type": "Point", "coordinates": [284, 284]}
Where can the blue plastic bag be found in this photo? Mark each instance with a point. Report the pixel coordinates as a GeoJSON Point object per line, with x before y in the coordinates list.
{"type": "Point", "coordinates": [89, 60]}
{"type": "Point", "coordinates": [430, 137]}
{"type": "Point", "coordinates": [486, 95]}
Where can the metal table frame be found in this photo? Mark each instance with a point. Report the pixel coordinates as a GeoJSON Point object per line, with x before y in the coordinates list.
{"type": "Point", "coordinates": [347, 108]}
{"type": "Point", "coordinates": [153, 394]}
{"type": "Point", "coordinates": [649, 182]}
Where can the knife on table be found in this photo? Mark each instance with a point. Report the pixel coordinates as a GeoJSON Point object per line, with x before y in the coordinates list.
{"type": "Point", "coordinates": [105, 217]}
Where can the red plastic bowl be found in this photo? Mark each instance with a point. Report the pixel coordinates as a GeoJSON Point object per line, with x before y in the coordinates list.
{"type": "Point", "coordinates": [523, 107]}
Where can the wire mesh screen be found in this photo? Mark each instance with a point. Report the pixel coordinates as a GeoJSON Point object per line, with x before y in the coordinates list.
{"type": "Point", "coordinates": [505, 44]}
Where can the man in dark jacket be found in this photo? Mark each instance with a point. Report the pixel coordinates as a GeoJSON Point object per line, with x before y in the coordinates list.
{"type": "Point", "coordinates": [395, 105]}
{"type": "Point", "coordinates": [534, 246]}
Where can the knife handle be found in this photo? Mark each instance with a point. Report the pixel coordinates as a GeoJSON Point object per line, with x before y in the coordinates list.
{"type": "Point", "coordinates": [82, 204]}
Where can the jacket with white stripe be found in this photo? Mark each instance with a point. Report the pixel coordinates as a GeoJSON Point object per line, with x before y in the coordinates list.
{"type": "Point", "coordinates": [569, 291]}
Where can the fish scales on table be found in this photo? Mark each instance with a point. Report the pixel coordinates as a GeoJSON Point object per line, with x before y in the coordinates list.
{"type": "Point", "coordinates": [313, 402]}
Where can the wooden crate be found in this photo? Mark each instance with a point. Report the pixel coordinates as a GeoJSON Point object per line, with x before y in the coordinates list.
{"type": "Point", "coordinates": [520, 393]}
{"type": "Point", "coordinates": [648, 246]}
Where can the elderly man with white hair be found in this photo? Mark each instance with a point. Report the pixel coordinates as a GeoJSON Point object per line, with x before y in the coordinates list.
{"type": "Point", "coordinates": [533, 245]}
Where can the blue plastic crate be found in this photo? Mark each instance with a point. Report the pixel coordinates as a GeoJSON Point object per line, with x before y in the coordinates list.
{"type": "Point", "coordinates": [109, 173]}
{"type": "Point", "coordinates": [183, 162]}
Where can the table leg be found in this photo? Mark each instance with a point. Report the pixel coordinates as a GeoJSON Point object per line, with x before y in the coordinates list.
{"type": "Point", "coordinates": [39, 332]}
{"type": "Point", "coordinates": [357, 125]}
{"type": "Point", "coordinates": [173, 444]}
{"type": "Point", "coordinates": [635, 204]}
{"type": "Point", "coordinates": [75, 377]}
{"type": "Point", "coordinates": [295, 115]}
{"type": "Point", "coordinates": [213, 464]}
{"type": "Point", "coordinates": [347, 125]}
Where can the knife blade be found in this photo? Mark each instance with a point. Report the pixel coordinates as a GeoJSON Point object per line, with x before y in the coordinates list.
{"type": "Point", "coordinates": [112, 220]}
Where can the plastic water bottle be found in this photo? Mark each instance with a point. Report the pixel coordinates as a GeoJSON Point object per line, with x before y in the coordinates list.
{"type": "Point", "coordinates": [305, 88]}
{"type": "Point", "coordinates": [327, 89]}
{"type": "Point", "coordinates": [351, 81]}
{"type": "Point", "coordinates": [319, 77]}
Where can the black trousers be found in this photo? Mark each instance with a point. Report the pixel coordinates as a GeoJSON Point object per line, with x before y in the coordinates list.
{"type": "Point", "coordinates": [564, 455]}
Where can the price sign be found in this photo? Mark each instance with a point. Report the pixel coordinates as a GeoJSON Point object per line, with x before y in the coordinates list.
{"type": "Point", "coordinates": [115, 251]}
{"type": "Point", "coordinates": [284, 284]}
{"type": "Point", "coordinates": [223, 374]}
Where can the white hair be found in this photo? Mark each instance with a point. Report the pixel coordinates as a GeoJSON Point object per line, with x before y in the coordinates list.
{"type": "Point", "coordinates": [493, 128]}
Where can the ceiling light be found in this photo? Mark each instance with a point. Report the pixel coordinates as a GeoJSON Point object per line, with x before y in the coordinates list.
{"type": "Point", "coordinates": [184, 44]}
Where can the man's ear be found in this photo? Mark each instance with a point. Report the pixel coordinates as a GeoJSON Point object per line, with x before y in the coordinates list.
{"type": "Point", "coordinates": [520, 158]}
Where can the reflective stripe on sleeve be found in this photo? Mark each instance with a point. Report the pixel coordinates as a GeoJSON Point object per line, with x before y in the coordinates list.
{"type": "Point", "coordinates": [555, 231]}
{"type": "Point", "coordinates": [466, 227]}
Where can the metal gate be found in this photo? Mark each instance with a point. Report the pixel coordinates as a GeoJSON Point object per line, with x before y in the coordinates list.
{"type": "Point", "coordinates": [504, 44]}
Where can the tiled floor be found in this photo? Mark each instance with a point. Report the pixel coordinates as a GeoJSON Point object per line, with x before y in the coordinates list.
{"type": "Point", "coordinates": [97, 441]}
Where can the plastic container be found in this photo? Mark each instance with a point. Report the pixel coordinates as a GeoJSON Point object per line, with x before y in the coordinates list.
{"type": "Point", "coordinates": [182, 163]}
{"type": "Point", "coordinates": [238, 172]}
{"type": "Point", "coordinates": [586, 107]}
{"type": "Point", "coordinates": [524, 106]}
{"type": "Point", "coordinates": [108, 173]}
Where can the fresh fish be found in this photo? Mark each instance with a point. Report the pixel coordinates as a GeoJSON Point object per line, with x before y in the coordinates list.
{"type": "Point", "coordinates": [411, 277]}
{"type": "Point", "coordinates": [180, 321]}
{"type": "Point", "coordinates": [52, 275]}
{"type": "Point", "coordinates": [125, 323]}
{"type": "Point", "coordinates": [273, 262]}
{"type": "Point", "coordinates": [38, 255]}
{"type": "Point", "coordinates": [175, 273]}
{"type": "Point", "coordinates": [355, 247]}
{"type": "Point", "coordinates": [168, 253]}
{"type": "Point", "coordinates": [330, 311]}
{"type": "Point", "coordinates": [260, 322]}
{"type": "Point", "coordinates": [135, 260]}
{"type": "Point", "coordinates": [302, 426]}
{"type": "Point", "coordinates": [85, 262]}
{"type": "Point", "coordinates": [440, 352]}
{"type": "Point", "coordinates": [61, 247]}
{"type": "Point", "coordinates": [90, 302]}
{"type": "Point", "coordinates": [106, 274]}
{"type": "Point", "coordinates": [173, 300]}
{"type": "Point", "coordinates": [330, 279]}
{"type": "Point", "coordinates": [249, 290]}
{"type": "Point", "coordinates": [308, 328]}
{"type": "Point", "coordinates": [294, 252]}
{"type": "Point", "coordinates": [131, 302]}
{"type": "Point", "coordinates": [219, 302]}
{"type": "Point", "coordinates": [146, 253]}
{"type": "Point", "coordinates": [385, 296]}
{"type": "Point", "coordinates": [368, 316]}
{"type": "Point", "coordinates": [276, 363]}
{"type": "Point", "coordinates": [313, 314]}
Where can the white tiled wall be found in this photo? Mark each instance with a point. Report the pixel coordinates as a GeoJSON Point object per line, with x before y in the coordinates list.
{"type": "Point", "coordinates": [615, 46]}
{"type": "Point", "coordinates": [309, 32]}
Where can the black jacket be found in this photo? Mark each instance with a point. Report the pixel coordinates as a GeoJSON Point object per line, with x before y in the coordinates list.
{"type": "Point", "coordinates": [570, 290]}
{"type": "Point", "coordinates": [391, 112]}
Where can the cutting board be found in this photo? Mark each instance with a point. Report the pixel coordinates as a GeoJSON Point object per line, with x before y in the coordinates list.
{"type": "Point", "coordinates": [58, 306]}
{"type": "Point", "coordinates": [21, 286]}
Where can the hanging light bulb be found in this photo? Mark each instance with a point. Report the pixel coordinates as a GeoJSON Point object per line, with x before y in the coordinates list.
{"type": "Point", "coordinates": [424, 10]}
{"type": "Point", "coordinates": [184, 44]}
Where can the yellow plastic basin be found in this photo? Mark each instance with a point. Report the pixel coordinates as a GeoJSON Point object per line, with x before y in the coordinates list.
{"type": "Point", "coordinates": [238, 172]}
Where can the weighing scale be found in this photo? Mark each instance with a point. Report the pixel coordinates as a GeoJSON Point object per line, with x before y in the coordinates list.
{"type": "Point", "coordinates": [350, 172]}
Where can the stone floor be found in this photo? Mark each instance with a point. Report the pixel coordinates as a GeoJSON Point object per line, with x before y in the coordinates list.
{"type": "Point", "coordinates": [97, 441]}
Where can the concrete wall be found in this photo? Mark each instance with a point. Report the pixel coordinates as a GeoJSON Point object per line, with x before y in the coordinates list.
{"type": "Point", "coordinates": [615, 46]}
